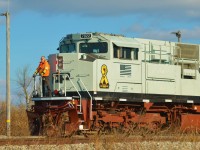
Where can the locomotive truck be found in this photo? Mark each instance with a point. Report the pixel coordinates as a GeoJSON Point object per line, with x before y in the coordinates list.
{"type": "Point", "coordinates": [103, 82]}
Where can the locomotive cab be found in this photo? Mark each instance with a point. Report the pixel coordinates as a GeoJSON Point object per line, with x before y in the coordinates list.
{"type": "Point", "coordinates": [80, 60]}
{"type": "Point", "coordinates": [75, 60]}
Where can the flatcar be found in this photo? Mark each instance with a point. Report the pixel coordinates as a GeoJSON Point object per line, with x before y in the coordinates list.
{"type": "Point", "coordinates": [102, 82]}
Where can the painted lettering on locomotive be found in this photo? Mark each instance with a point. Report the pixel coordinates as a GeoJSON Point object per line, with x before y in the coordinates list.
{"type": "Point", "coordinates": [103, 81]}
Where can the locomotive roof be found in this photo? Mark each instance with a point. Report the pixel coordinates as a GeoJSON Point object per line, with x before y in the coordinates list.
{"type": "Point", "coordinates": [121, 40]}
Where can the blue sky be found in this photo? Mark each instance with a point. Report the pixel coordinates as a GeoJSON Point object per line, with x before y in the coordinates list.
{"type": "Point", "coordinates": [37, 26]}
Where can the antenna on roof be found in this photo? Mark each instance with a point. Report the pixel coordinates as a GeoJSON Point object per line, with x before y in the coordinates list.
{"type": "Point", "coordinates": [178, 35]}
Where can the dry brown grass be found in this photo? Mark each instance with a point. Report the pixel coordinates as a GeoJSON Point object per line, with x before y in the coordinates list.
{"type": "Point", "coordinates": [2, 118]}
{"type": "Point", "coordinates": [140, 136]}
{"type": "Point", "coordinates": [19, 120]}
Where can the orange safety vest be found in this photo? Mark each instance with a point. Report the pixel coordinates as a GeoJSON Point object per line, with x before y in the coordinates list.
{"type": "Point", "coordinates": [43, 68]}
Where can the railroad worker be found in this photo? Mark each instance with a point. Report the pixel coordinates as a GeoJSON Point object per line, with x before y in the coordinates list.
{"type": "Point", "coordinates": [44, 69]}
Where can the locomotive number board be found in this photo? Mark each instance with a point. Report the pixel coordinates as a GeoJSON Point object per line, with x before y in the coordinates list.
{"type": "Point", "coordinates": [86, 36]}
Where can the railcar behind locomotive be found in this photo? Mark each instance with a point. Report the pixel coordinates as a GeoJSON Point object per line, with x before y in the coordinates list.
{"type": "Point", "coordinates": [105, 81]}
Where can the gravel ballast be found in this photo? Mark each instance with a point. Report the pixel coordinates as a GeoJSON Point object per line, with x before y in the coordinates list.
{"type": "Point", "coordinates": [112, 146]}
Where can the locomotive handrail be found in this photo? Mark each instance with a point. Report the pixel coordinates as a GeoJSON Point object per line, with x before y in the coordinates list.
{"type": "Point", "coordinates": [40, 84]}
{"type": "Point", "coordinates": [186, 59]}
{"type": "Point", "coordinates": [66, 76]}
{"type": "Point", "coordinates": [84, 87]}
{"type": "Point", "coordinates": [89, 95]}
{"type": "Point", "coordinates": [41, 87]}
{"type": "Point", "coordinates": [32, 93]}
{"type": "Point", "coordinates": [149, 51]}
{"type": "Point", "coordinates": [182, 61]}
{"type": "Point", "coordinates": [80, 109]}
{"type": "Point", "coordinates": [75, 89]}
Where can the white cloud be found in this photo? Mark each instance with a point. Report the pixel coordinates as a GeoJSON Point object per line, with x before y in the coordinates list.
{"type": "Point", "coordinates": [168, 8]}
{"type": "Point", "coordinates": [188, 34]}
{"type": "Point", "coordinates": [153, 16]}
{"type": "Point", "coordinates": [3, 3]}
{"type": "Point", "coordinates": [193, 13]}
{"type": "Point", "coordinates": [193, 33]}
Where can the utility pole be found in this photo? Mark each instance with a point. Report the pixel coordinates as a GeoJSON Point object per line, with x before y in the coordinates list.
{"type": "Point", "coordinates": [7, 15]}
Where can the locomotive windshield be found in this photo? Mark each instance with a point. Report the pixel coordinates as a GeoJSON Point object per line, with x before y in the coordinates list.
{"type": "Point", "coordinates": [67, 48]}
{"type": "Point", "coordinates": [93, 47]}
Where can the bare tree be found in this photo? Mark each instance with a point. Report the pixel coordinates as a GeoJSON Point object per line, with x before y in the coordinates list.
{"type": "Point", "coordinates": [24, 83]}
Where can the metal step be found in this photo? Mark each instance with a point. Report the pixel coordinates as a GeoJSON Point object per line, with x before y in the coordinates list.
{"type": "Point", "coordinates": [75, 97]}
{"type": "Point", "coordinates": [80, 113]}
{"type": "Point", "coordinates": [85, 129]}
{"type": "Point", "coordinates": [81, 121]}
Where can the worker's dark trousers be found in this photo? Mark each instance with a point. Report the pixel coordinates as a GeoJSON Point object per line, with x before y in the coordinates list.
{"type": "Point", "coordinates": [46, 84]}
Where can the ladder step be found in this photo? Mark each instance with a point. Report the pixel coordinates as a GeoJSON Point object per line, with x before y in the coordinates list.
{"type": "Point", "coordinates": [85, 129]}
{"type": "Point", "coordinates": [76, 97]}
{"type": "Point", "coordinates": [80, 113]}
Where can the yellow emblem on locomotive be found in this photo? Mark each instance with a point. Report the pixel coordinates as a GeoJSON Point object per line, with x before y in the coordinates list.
{"type": "Point", "coordinates": [104, 80]}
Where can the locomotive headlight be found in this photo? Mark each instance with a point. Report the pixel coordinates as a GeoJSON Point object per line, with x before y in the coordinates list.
{"type": "Point", "coordinates": [81, 127]}
{"type": "Point", "coordinates": [60, 59]}
{"type": "Point", "coordinates": [61, 92]}
{"type": "Point", "coordinates": [60, 65]}
{"type": "Point", "coordinates": [60, 62]}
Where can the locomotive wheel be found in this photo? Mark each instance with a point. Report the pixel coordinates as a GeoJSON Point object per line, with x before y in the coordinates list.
{"type": "Point", "coordinates": [104, 129]}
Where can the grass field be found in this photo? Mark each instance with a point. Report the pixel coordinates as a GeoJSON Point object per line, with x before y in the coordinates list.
{"type": "Point", "coordinates": [153, 140]}
{"type": "Point", "coordinates": [19, 120]}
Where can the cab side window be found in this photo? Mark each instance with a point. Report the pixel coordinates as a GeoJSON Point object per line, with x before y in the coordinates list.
{"type": "Point", "coordinates": [125, 53]}
{"type": "Point", "coordinates": [116, 51]}
{"type": "Point", "coordinates": [135, 53]}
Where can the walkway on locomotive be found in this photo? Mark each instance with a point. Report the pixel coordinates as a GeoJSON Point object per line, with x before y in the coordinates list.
{"type": "Point", "coordinates": [134, 66]}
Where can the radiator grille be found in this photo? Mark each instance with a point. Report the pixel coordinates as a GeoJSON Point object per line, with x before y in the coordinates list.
{"type": "Point", "coordinates": [187, 51]}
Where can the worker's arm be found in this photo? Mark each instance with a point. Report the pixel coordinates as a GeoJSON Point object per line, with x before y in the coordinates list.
{"type": "Point", "coordinates": [37, 70]}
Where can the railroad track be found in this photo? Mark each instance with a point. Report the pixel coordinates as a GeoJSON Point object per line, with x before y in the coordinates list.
{"type": "Point", "coordinates": [38, 140]}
